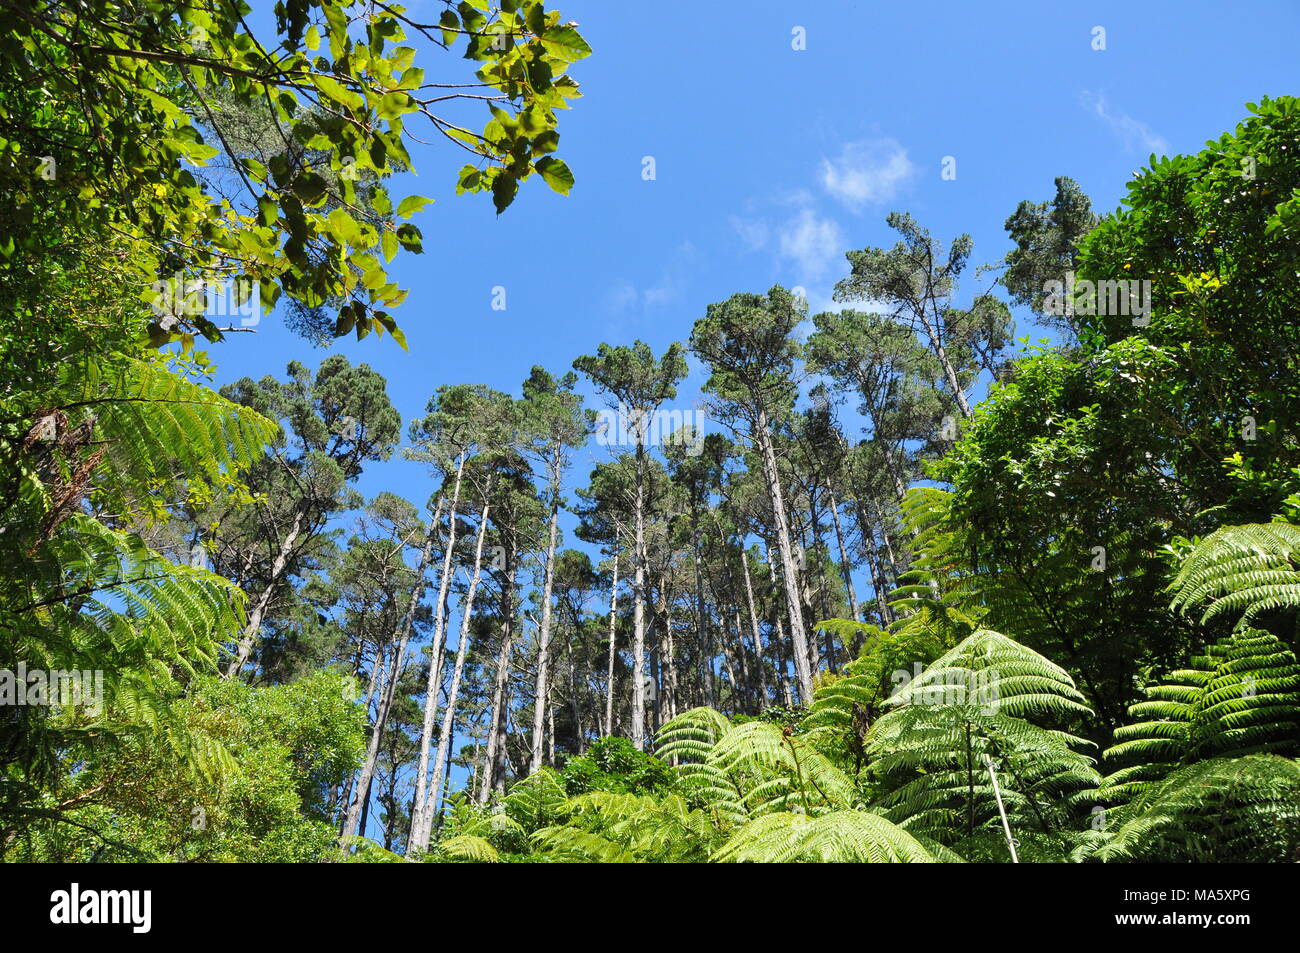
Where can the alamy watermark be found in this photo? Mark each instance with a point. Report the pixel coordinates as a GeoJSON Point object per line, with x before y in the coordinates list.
{"type": "Point", "coordinates": [977, 687]}
{"type": "Point", "coordinates": [133, 908]}
{"type": "Point", "coordinates": [1121, 296]}
{"type": "Point", "coordinates": [179, 297]}
{"type": "Point", "coordinates": [618, 427]}
{"type": "Point", "coordinates": [72, 688]}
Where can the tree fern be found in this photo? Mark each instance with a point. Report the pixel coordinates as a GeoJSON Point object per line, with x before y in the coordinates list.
{"type": "Point", "coordinates": [1248, 569]}
{"type": "Point", "coordinates": [988, 669]}
{"type": "Point", "coordinates": [80, 590]}
{"type": "Point", "coordinates": [937, 596]}
{"type": "Point", "coordinates": [836, 837]}
{"type": "Point", "coordinates": [845, 704]}
{"type": "Point", "coordinates": [570, 843]}
{"type": "Point", "coordinates": [688, 740]}
{"type": "Point", "coordinates": [971, 707]}
{"type": "Point", "coordinates": [1241, 697]}
{"type": "Point", "coordinates": [754, 767]}
{"type": "Point", "coordinates": [613, 827]}
{"type": "Point", "coordinates": [537, 800]}
{"type": "Point", "coordinates": [468, 847]}
{"type": "Point", "coordinates": [1243, 809]}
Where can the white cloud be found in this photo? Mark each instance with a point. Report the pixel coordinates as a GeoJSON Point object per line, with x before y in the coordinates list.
{"type": "Point", "coordinates": [812, 243]}
{"type": "Point", "coordinates": [620, 297]}
{"type": "Point", "coordinates": [1132, 131]}
{"type": "Point", "coordinates": [867, 172]}
{"type": "Point", "coordinates": [672, 278]}
{"type": "Point", "coordinates": [625, 297]}
{"type": "Point", "coordinates": [665, 291]}
{"type": "Point", "coordinates": [752, 231]}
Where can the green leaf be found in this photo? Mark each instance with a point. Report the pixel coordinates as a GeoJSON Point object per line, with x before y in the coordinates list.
{"type": "Point", "coordinates": [450, 24]}
{"type": "Point", "coordinates": [392, 105]}
{"type": "Point", "coordinates": [566, 43]}
{"type": "Point", "coordinates": [504, 188]}
{"type": "Point", "coordinates": [412, 78]}
{"type": "Point", "coordinates": [410, 238]}
{"type": "Point", "coordinates": [344, 227]}
{"type": "Point", "coordinates": [412, 204]}
{"type": "Point", "coordinates": [267, 210]}
{"type": "Point", "coordinates": [556, 174]}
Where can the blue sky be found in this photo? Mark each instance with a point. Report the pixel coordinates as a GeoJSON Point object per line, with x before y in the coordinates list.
{"type": "Point", "coordinates": [771, 162]}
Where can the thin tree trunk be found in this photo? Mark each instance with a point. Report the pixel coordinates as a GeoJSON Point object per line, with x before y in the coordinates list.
{"type": "Point", "coordinates": [741, 683]}
{"type": "Point", "coordinates": [657, 695]}
{"type": "Point", "coordinates": [496, 731]}
{"type": "Point", "coordinates": [879, 580]}
{"type": "Point", "coordinates": [575, 707]}
{"type": "Point", "coordinates": [878, 583]}
{"type": "Point", "coordinates": [350, 826]}
{"type": "Point", "coordinates": [550, 731]}
{"type": "Point", "coordinates": [445, 739]}
{"type": "Point", "coordinates": [544, 630]}
{"type": "Point", "coordinates": [434, 682]}
{"type": "Point", "coordinates": [248, 637]}
{"type": "Point", "coordinates": [933, 331]}
{"type": "Point", "coordinates": [754, 629]}
{"type": "Point", "coordinates": [789, 578]}
{"type": "Point", "coordinates": [845, 567]}
{"type": "Point", "coordinates": [670, 654]}
{"type": "Point", "coordinates": [735, 673]}
{"type": "Point", "coordinates": [613, 628]}
{"type": "Point", "coordinates": [782, 673]}
{"type": "Point", "coordinates": [872, 401]}
{"type": "Point", "coordinates": [639, 597]}
{"type": "Point", "coordinates": [446, 782]}
{"type": "Point", "coordinates": [823, 610]}
{"type": "Point", "coordinates": [344, 793]}
{"type": "Point", "coordinates": [703, 633]}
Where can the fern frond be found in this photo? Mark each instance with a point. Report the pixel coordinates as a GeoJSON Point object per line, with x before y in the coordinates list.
{"type": "Point", "coordinates": [1247, 569]}
{"type": "Point", "coordinates": [1224, 809]}
{"type": "Point", "coordinates": [469, 848]}
{"type": "Point", "coordinates": [1241, 697]}
{"type": "Point", "coordinates": [581, 846]}
{"type": "Point", "coordinates": [836, 837]}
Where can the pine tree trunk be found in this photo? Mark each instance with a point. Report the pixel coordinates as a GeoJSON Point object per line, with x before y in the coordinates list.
{"type": "Point", "coordinates": [639, 598]}
{"type": "Point", "coordinates": [879, 581]}
{"type": "Point", "coordinates": [733, 653]}
{"type": "Point", "coordinates": [735, 673]}
{"type": "Point", "coordinates": [940, 352]}
{"type": "Point", "coordinates": [670, 651]}
{"type": "Point", "coordinates": [544, 630]}
{"type": "Point", "coordinates": [845, 567]}
{"type": "Point", "coordinates": [754, 630]}
{"type": "Point", "coordinates": [445, 738]}
{"type": "Point", "coordinates": [703, 631]}
{"type": "Point", "coordinates": [362, 795]}
{"type": "Point", "coordinates": [550, 731]}
{"type": "Point", "coordinates": [575, 706]}
{"type": "Point", "coordinates": [434, 684]}
{"type": "Point", "coordinates": [341, 796]}
{"type": "Point", "coordinates": [782, 672]}
{"type": "Point", "coordinates": [789, 577]}
{"type": "Point", "coordinates": [248, 638]}
{"type": "Point", "coordinates": [613, 628]}
{"type": "Point", "coordinates": [496, 731]}
{"type": "Point", "coordinates": [446, 782]}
